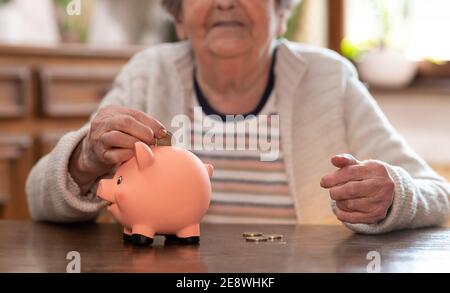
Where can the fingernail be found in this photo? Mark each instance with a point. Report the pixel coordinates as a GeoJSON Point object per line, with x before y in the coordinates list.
{"type": "Point", "coordinates": [162, 133]}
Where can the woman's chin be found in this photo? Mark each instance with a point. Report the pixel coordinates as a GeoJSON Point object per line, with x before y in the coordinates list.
{"type": "Point", "coordinates": [229, 48]}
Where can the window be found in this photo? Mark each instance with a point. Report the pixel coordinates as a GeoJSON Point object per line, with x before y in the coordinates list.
{"type": "Point", "coordinates": [419, 27]}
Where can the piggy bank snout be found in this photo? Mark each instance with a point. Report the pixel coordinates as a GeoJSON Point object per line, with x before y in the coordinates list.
{"type": "Point", "coordinates": [105, 190]}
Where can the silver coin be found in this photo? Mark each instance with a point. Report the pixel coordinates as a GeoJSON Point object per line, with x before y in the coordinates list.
{"type": "Point", "coordinates": [273, 237]}
{"type": "Point", "coordinates": [257, 239]}
{"type": "Point", "coordinates": [252, 234]}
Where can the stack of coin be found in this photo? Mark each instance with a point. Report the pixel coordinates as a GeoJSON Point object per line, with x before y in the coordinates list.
{"type": "Point", "coordinates": [260, 237]}
{"type": "Point", "coordinates": [166, 141]}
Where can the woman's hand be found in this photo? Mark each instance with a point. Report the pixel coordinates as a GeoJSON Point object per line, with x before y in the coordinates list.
{"type": "Point", "coordinates": [110, 141]}
{"type": "Point", "coordinates": [363, 191]}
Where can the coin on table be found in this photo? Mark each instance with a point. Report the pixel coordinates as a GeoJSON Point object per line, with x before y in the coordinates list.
{"type": "Point", "coordinates": [166, 141]}
{"type": "Point", "coordinates": [251, 234]}
{"type": "Point", "coordinates": [257, 239]}
{"type": "Point", "coordinates": [273, 237]}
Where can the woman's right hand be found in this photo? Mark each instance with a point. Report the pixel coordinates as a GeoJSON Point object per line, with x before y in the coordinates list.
{"type": "Point", "coordinates": [110, 141]}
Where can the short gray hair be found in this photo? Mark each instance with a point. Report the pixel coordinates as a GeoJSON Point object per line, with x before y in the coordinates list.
{"type": "Point", "coordinates": [174, 6]}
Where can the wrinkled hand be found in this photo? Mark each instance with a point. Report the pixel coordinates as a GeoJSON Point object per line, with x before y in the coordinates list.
{"type": "Point", "coordinates": [363, 191]}
{"type": "Point", "coordinates": [110, 141]}
{"type": "Point", "coordinates": [115, 130]}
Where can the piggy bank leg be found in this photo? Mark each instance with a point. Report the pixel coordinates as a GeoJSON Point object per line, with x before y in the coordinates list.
{"type": "Point", "coordinates": [126, 235]}
{"type": "Point", "coordinates": [142, 235]}
{"type": "Point", "coordinates": [189, 235]}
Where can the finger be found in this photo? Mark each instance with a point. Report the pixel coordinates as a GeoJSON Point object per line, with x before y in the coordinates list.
{"type": "Point", "coordinates": [118, 139]}
{"type": "Point", "coordinates": [350, 190]}
{"type": "Point", "coordinates": [344, 160]}
{"type": "Point", "coordinates": [129, 125]}
{"type": "Point", "coordinates": [157, 127]}
{"type": "Point", "coordinates": [117, 156]}
{"type": "Point", "coordinates": [346, 174]}
{"type": "Point", "coordinates": [363, 205]}
{"type": "Point", "coordinates": [355, 217]}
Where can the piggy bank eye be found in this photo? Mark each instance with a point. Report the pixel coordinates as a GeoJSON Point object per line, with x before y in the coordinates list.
{"type": "Point", "coordinates": [119, 180]}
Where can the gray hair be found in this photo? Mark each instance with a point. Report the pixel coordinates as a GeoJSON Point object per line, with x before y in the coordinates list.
{"type": "Point", "coordinates": [174, 6]}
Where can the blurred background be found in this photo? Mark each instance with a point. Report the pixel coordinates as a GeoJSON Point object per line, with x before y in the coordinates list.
{"type": "Point", "coordinates": [59, 57]}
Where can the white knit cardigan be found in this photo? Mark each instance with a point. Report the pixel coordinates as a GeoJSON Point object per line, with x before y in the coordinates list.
{"type": "Point", "coordinates": [324, 110]}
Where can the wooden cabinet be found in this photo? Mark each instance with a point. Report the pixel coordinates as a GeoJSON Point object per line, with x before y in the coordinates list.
{"type": "Point", "coordinates": [44, 93]}
{"type": "Point", "coordinates": [15, 163]}
{"type": "Point", "coordinates": [73, 91]}
{"type": "Point", "coordinates": [14, 91]}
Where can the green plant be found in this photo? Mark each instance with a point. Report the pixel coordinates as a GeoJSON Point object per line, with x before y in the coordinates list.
{"type": "Point", "coordinates": [63, 3]}
{"type": "Point", "coordinates": [4, 2]}
{"type": "Point", "coordinates": [293, 22]}
{"type": "Point", "coordinates": [387, 17]}
{"type": "Point", "coordinates": [353, 51]}
{"type": "Point", "coordinates": [72, 28]}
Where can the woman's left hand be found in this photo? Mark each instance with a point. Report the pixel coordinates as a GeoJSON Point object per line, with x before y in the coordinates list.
{"type": "Point", "coordinates": [363, 191]}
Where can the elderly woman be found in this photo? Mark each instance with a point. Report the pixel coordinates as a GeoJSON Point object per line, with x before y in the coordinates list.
{"type": "Point", "coordinates": [231, 63]}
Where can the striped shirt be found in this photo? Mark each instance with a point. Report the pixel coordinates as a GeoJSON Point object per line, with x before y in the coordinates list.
{"type": "Point", "coordinates": [245, 188]}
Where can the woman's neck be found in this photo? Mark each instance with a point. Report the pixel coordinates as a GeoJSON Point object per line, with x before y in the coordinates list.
{"type": "Point", "coordinates": [233, 85]}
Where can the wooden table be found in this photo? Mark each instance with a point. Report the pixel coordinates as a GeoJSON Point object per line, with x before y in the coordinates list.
{"type": "Point", "coordinates": [38, 247]}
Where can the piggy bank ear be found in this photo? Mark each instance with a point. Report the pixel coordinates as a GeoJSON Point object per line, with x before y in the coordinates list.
{"type": "Point", "coordinates": [144, 155]}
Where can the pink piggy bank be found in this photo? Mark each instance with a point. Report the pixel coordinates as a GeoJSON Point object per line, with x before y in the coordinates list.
{"type": "Point", "coordinates": [160, 191]}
